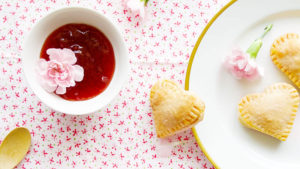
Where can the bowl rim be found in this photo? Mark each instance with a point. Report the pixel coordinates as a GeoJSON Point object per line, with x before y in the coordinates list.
{"type": "Point", "coordinates": [125, 65]}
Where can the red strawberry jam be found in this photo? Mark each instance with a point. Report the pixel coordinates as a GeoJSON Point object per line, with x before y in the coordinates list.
{"type": "Point", "coordinates": [94, 53]}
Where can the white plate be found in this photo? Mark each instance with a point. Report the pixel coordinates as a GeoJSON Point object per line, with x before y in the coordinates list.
{"type": "Point", "coordinates": [228, 143]}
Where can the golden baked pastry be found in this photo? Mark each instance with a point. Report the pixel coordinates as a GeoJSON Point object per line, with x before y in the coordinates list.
{"type": "Point", "coordinates": [271, 112]}
{"type": "Point", "coordinates": [174, 109]}
{"type": "Point", "coordinates": [285, 54]}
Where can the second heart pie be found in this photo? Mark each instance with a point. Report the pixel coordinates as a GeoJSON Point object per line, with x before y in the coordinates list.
{"type": "Point", "coordinates": [271, 112]}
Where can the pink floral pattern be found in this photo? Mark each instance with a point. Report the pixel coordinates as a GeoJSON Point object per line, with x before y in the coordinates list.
{"type": "Point", "coordinates": [122, 134]}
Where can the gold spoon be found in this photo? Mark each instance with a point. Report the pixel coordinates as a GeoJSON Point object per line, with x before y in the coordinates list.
{"type": "Point", "coordinates": [14, 147]}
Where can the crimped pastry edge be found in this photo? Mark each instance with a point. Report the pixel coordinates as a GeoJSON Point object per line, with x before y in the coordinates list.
{"type": "Point", "coordinates": [274, 57]}
{"type": "Point", "coordinates": [244, 117]}
{"type": "Point", "coordinates": [192, 117]}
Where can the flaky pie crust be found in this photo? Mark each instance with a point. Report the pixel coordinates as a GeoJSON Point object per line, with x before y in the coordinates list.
{"type": "Point", "coordinates": [271, 112]}
{"type": "Point", "coordinates": [174, 109]}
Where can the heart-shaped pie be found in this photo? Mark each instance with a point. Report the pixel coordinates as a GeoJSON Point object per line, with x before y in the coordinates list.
{"type": "Point", "coordinates": [285, 54]}
{"type": "Point", "coordinates": [271, 112]}
{"type": "Point", "coordinates": [174, 109]}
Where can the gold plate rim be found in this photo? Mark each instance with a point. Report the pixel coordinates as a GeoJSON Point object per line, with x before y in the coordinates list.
{"type": "Point", "coordinates": [188, 72]}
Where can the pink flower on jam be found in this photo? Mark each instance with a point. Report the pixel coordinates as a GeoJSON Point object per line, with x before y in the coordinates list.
{"type": "Point", "coordinates": [60, 71]}
{"type": "Point", "coordinates": [137, 7]}
{"type": "Point", "coordinates": [242, 65]}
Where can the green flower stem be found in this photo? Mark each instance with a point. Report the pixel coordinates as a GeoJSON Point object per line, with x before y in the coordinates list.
{"type": "Point", "coordinates": [256, 45]}
{"type": "Point", "coordinates": [146, 1]}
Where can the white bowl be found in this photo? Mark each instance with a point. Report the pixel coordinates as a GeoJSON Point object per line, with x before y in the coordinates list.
{"type": "Point", "coordinates": [35, 40]}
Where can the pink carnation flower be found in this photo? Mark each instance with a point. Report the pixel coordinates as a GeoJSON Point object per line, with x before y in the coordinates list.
{"type": "Point", "coordinates": [242, 66]}
{"type": "Point", "coordinates": [137, 7]}
{"type": "Point", "coordinates": [60, 71]}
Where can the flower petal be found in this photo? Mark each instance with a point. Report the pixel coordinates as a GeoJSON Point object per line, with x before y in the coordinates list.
{"type": "Point", "coordinates": [68, 56]}
{"type": "Point", "coordinates": [54, 54]}
{"type": "Point", "coordinates": [65, 82]}
{"type": "Point", "coordinates": [142, 12]}
{"type": "Point", "coordinates": [49, 88]}
{"type": "Point", "coordinates": [61, 90]}
{"type": "Point", "coordinates": [242, 66]}
{"type": "Point", "coordinates": [78, 73]}
{"type": "Point", "coordinates": [42, 66]}
{"type": "Point", "coordinates": [59, 72]}
{"type": "Point", "coordinates": [136, 7]}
